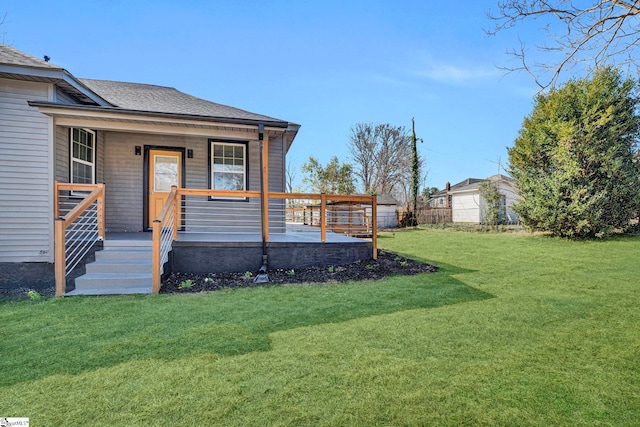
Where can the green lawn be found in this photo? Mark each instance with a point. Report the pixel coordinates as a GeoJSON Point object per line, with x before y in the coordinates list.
{"type": "Point", "coordinates": [514, 330]}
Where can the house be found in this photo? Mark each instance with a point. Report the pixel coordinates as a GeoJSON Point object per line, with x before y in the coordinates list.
{"type": "Point", "coordinates": [62, 136]}
{"type": "Point", "coordinates": [466, 203]}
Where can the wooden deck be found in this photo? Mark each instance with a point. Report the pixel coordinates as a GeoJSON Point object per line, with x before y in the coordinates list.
{"type": "Point", "coordinates": [299, 247]}
{"type": "Point", "coordinates": [295, 233]}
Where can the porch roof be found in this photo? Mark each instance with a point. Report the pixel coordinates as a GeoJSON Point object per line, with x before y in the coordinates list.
{"type": "Point", "coordinates": [126, 120]}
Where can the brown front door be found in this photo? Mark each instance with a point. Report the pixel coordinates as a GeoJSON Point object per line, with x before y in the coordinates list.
{"type": "Point", "coordinates": [165, 170]}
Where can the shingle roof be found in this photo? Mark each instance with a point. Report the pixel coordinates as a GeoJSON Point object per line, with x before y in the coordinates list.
{"type": "Point", "coordinates": [9, 55]}
{"type": "Point", "coordinates": [472, 184]}
{"type": "Point", "coordinates": [152, 98]}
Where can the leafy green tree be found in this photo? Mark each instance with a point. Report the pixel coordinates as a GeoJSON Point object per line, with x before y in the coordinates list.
{"type": "Point", "coordinates": [334, 178]}
{"type": "Point", "coordinates": [427, 192]}
{"type": "Point", "coordinates": [574, 160]}
{"type": "Point", "coordinates": [493, 206]}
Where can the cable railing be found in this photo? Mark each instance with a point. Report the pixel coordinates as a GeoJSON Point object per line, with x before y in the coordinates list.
{"type": "Point", "coordinates": [81, 226]}
{"type": "Point", "coordinates": [192, 211]}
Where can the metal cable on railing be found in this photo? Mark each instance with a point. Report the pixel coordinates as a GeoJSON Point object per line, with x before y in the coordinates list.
{"type": "Point", "coordinates": [166, 235]}
{"type": "Point", "coordinates": [80, 236]}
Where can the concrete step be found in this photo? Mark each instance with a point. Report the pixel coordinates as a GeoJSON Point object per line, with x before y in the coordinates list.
{"type": "Point", "coordinates": [116, 244]}
{"type": "Point", "coordinates": [120, 266]}
{"type": "Point", "coordinates": [113, 280]}
{"type": "Point", "coordinates": [110, 291]}
{"type": "Point", "coordinates": [123, 254]}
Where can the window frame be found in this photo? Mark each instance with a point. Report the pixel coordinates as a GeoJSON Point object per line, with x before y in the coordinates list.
{"type": "Point", "coordinates": [73, 159]}
{"type": "Point", "coordinates": [212, 170]}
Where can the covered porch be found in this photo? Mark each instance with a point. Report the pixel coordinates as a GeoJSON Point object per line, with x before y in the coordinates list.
{"type": "Point", "coordinates": [178, 244]}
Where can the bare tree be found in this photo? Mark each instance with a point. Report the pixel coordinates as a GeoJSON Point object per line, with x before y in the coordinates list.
{"type": "Point", "coordinates": [290, 178]}
{"type": "Point", "coordinates": [381, 155]}
{"type": "Point", "coordinates": [606, 32]}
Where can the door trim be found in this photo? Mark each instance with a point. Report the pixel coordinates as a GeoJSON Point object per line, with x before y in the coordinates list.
{"type": "Point", "coordinates": [145, 180]}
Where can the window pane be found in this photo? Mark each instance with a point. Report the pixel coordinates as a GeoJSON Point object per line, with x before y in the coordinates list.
{"type": "Point", "coordinates": [165, 172]}
{"type": "Point", "coordinates": [82, 156]}
{"type": "Point", "coordinates": [228, 166]}
{"type": "Point", "coordinates": [82, 174]}
{"type": "Point", "coordinates": [228, 181]}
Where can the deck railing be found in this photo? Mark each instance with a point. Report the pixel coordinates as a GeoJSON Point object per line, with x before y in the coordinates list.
{"type": "Point", "coordinates": [183, 200]}
{"type": "Point", "coordinates": [79, 229]}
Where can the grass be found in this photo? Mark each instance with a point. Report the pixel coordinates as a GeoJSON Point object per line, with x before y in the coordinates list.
{"type": "Point", "coordinates": [514, 330]}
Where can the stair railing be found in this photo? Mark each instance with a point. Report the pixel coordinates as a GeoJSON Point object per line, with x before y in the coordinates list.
{"type": "Point", "coordinates": [76, 232]}
{"type": "Point", "coordinates": [164, 231]}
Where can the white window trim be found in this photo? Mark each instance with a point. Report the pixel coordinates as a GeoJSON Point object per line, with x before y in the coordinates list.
{"type": "Point", "coordinates": [244, 173]}
{"type": "Point", "coordinates": [73, 159]}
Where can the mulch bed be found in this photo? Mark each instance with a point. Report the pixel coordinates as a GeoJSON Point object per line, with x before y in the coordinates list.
{"type": "Point", "coordinates": [387, 264]}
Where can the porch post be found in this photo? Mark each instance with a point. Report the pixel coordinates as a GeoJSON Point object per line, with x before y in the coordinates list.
{"type": "Point", "coordinates": [265, 189]}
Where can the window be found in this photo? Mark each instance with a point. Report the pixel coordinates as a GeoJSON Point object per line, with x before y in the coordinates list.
{"type": "Point", "coordinates": [83, 156]}
{"type": "Point", "coordinates": [228, 166]}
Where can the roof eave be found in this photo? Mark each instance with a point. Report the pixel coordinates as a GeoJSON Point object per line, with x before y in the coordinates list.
{"type": "Point", "coordinates": [51, 106]}
{"type": "Point", "coordinates": [53, 75]}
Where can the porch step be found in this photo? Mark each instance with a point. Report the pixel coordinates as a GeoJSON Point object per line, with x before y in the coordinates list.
{"type": "Point", "coordinates": [113, 280]}
{"type": "Point", "coordinates": [123, 253]}
{"type": "Point", "coordinates": [110, 291]}
{"type": "Point", "coordinates": [122, 267]}
{"type": "Point", "coordinates": [119, 244]}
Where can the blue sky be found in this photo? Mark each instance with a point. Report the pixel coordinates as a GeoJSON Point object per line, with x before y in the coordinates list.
{"type": "Point", "coordinates": [325, 65]}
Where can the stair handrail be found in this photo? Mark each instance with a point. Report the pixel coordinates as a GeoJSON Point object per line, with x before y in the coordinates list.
{"type": "Point", "coordinates": [96, 195]}
{"type": "Point", "coordinates": [164, 230]}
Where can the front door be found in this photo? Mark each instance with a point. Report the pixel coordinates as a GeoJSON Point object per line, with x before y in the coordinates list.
{"type": "Point", "coordinates": [165, 170]}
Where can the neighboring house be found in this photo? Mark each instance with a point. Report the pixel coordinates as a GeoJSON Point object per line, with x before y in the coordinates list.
{"type": "Point", "coordinates": [137, 139]}
{"type": "Point", "coordinates": [467, 204]}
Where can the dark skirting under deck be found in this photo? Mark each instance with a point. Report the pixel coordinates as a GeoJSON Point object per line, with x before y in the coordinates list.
{"type": "Point", "coordinates": [218, 257]}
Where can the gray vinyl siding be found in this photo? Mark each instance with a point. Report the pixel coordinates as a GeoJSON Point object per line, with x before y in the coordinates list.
{"type": "Point", "coordinates": [63, 98]}
{"type": "Point", "coordinates": [276, 183]}
{"type": "Point", "coordinates": [25, 214]}
{"type": "Point", "coordinates": [124, 179]}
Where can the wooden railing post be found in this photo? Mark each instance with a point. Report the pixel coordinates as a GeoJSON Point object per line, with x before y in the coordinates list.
{"type": "Point", "coordinates": [177, 213]}
{"type": "Point", "coordinates": [323, 219]}
{"type": "Point", "coordinates": [100, 211]}
{"type": "Point", "coordinates": [56, 200]}
{"type": "Point", "coordinates": [59, 257]}
{"type": "Point", "coordinates": [155, 256]}
{"type": "Point", "coordinates": [374, 225]}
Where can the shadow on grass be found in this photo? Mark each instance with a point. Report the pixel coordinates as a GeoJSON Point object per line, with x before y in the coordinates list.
{"type": "Point", "coordinates": [74, 335]}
